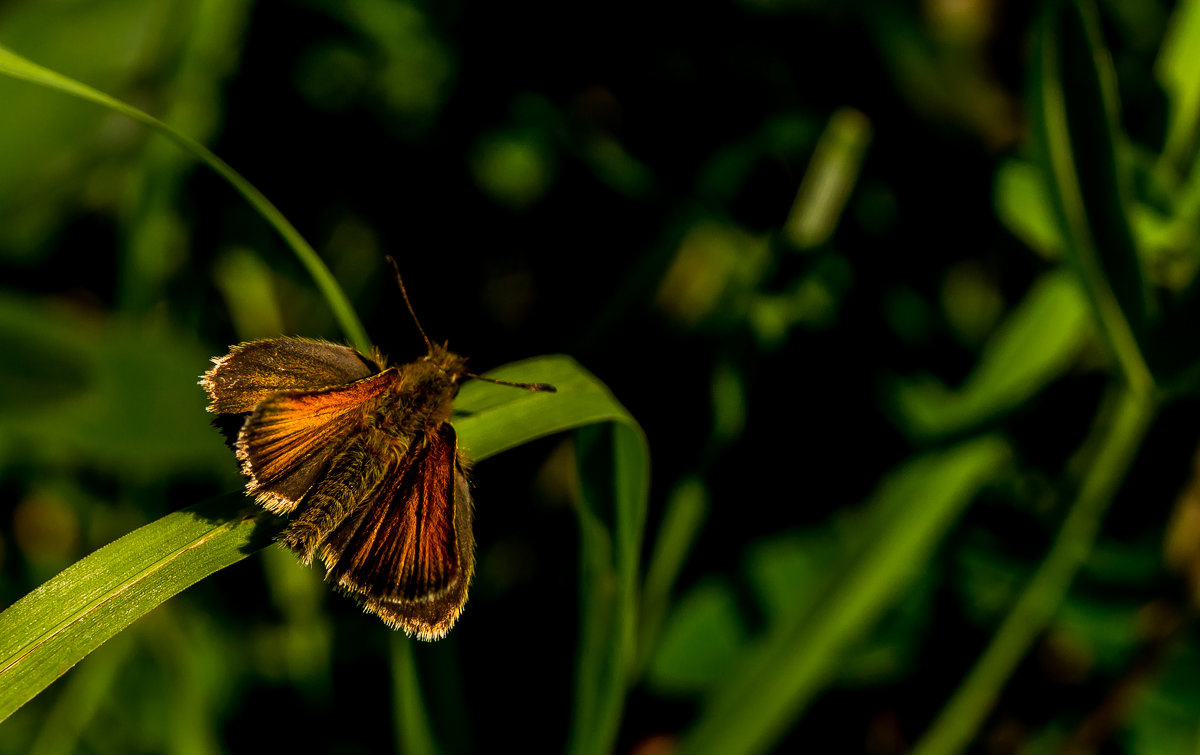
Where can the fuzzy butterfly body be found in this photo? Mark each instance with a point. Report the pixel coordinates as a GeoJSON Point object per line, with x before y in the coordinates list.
{"type": "Point", "coordinates": [364, 460]}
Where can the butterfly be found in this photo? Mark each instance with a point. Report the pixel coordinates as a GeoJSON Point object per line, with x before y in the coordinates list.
{"type": "Point", "coordinates": [364, 460]}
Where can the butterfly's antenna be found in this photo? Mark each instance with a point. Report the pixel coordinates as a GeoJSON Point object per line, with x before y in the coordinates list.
{"type": "Point", "coordinates": [539, 387]}
{"type": "Point", "coordinates": [411, 311]}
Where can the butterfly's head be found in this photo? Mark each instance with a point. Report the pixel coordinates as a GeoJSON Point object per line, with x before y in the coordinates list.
{"type": "Point", "coordinates": [449, 364]}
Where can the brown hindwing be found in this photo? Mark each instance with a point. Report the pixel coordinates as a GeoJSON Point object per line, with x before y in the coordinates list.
{"type": "Point", "coordinates": [408, 555]}
{"type": "Point", "coordinates": [289, 440]}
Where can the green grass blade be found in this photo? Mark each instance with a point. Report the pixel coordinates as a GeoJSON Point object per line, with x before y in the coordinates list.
{"type": "Point", "coordinates": [50, 630]}
{"type": "Point", "coordinates": [55, 626]}
{"type": "Point", "coordinates": [614, 475]}
{"type": "Point", "coordinates": [1074, 114]}
{"type": "Point", "coordinates": [485, 413]}
{"type": "Point", "coordinates": [683, 516]}
{"type": "Point", "coordinates": [908, 516]}
{"type": "Point", "coordinates": [18, 67]}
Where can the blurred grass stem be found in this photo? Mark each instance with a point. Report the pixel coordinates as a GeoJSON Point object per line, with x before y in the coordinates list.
{"type": "Point", "coordinates": [410, 717]}
{"type": "Point", "coordinates": [17, 67]}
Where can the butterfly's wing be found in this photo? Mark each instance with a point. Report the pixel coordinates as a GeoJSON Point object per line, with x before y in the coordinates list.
{"type": "Point", "coordinates": [287, 405]}
{"type": "Point", "coordinates": [255, 371]}
{"type": "Point", "coordinates": [405, 549]}
{"type": "Point", "coordinates": [291, 439]}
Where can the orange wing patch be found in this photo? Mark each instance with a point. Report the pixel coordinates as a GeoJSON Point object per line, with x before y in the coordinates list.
{"type": "Point", "coordinates": [288, 441]}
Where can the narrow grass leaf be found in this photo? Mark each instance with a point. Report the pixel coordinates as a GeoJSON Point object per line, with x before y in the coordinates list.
{"type": "Point", "coordinates": [614, 479]}
{"type": "Point", "coordinates": [54, 627]}
{"type": "Point", "coordinates": [683, 516]}
{"type": "Point", "coordinates": [1074, 114]}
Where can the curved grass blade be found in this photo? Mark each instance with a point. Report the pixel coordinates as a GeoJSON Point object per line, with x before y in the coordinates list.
{"type": "Point", "coordinates": [1037, 342]}
{"type": "Point", "coordinates": [1074, 108]}
{"type": "Point", "coordinates": [18, 67]}
{"type": "Point", "coordinates": [50, 630]}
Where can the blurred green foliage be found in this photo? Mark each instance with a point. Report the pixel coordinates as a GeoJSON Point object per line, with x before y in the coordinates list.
{"type": "Point", "coordinates": [903, 295]}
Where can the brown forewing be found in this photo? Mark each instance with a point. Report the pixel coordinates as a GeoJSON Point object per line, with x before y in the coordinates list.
{"type": "Point", "coordinates": [409, 554]}
{"type": "Point", "coordinates": [290, 439]}
{"type": "Point", "coordinates": [253, 372]}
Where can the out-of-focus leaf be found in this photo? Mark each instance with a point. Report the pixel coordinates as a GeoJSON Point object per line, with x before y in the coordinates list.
{"type": "Point", "coordinates": [52, 145]}
{"type": "Point", "coordinates": [1105, 629]}
{"type": "Point", "coordinates": [830, 178]}
{"type": "Point", "coordinates": [713, 260]}
{"type": "Point", "coordinates": [155, 239]}
{"type": "Point", "coordinates": [246, 283]}
{"type": "Point", "coordinates": [1178, 70]}
{"type": "Point", "coordinates": [701, 641]}
{"type": "Point", "coordinates": [788, 571]}
{"type": "Point", "coordinates": [105, 392]}
{"type": "Point", "coordinates": [1035, 344]}
{"type": "Point", "coordinates": [1023, 205]}
{"type": "Point", "coordinates": [415, 69]}
{"type": "Point", "coordinates": [1164, 719]}
{"type": "Point", "coordinates": [971, 301]}
{"type": "Point", "coordinates": [905, 520]}
{"type": "Point", "coordinates": [516, 168]}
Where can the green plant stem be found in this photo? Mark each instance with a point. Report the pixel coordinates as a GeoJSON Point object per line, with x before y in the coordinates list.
{"type": "Point", "coordinates": [1120, 437]}
{"type": "Point", "coordinates": [411, 717]}
{"type": "Point", "coordinates": [18, 67]}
